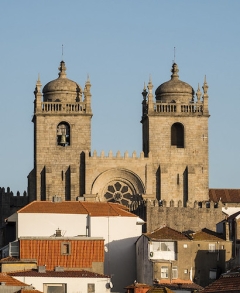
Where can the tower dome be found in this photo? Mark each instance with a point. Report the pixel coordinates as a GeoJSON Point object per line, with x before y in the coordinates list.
{"type": "Point", "coordinates": [62, 89]}
{"type": "Point", "coordinates": [174, 90]}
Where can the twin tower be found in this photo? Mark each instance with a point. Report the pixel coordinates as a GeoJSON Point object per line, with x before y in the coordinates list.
{"type": "Point", "coordinates": [173, 164]}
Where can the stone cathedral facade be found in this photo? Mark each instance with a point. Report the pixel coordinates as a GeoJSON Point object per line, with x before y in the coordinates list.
{"type": "Point", "coordinates": [173, 165]}
{"type": "Point", "coordinates": [166, 184]}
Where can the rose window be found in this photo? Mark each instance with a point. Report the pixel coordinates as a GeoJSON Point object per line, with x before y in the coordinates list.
{"type": "Point", "coordinates": [119, 192]}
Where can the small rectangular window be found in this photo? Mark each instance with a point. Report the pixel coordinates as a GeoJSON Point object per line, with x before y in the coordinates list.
{"type": "Point", "coordinates": [65, 248]}
{"type": "Point", "coordinates": [184, 245]}
{"type": "Point", "coordinates": [91, 288]}
{"type": "Point", "coordinates": [56, 288]}
{"type": "Point", "coordinates": [174, 272]}
{"type": "Point", "coordinates": [211, 247]}
{"type": "Point", "coordinates": [164, 272]}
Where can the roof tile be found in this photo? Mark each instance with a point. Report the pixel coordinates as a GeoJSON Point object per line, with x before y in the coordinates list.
{"type": "Point", "coordinates": [95, 209]}
{"type": "Point", "coordinates": [226, 195]}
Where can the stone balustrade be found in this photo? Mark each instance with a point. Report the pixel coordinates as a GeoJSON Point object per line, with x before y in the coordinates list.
{"type": "Point", "coordinates": [176, 108]}
{"type": "Point", "coordinates": [63, 107]}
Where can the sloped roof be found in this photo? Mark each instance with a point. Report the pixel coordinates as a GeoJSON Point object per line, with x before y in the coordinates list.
{"type": "Point", "coordinates": [166, 233]}
{"type": "Point", "coordinates": [160, 290]}
{"type": "Point", "coordinates": [229, 282]}
{"type": "Point", "coordinates": [225, 195]}
{"type": "Point", "coordinates": [138, 285]}
{"type": "Point", "coordinates": [206, 234]}
{"type": "Point", "coordinates": [53, 274]}
{"type": "Point", "coordinates": [29, 291]}
{"type": "Point", "coordinates": [178, 284]}
{"type": "Point", "coordinates": [48, 252]}
{"type": "Point", "coordinates": [9, 281]}
{"type": "Point", "coordinates": [95, 209]}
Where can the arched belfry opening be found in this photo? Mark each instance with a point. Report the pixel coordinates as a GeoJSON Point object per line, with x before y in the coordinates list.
{"type": "Point", "coordinates": [63, 134]}
{"type": "Point", "coordinates": [177, 135]}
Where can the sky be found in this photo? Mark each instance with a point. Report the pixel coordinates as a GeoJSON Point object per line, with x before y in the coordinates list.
{"type": "Point", "coordinates": [120, 45]}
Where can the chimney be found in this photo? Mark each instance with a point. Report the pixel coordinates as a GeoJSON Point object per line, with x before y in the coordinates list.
{"type": "Point", "coordinates": [58, 233]}
{"type": "Point", "coordinates": [226, 230]}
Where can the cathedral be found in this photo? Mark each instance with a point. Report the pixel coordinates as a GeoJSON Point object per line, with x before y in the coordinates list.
{"type": "Point", "coordinates": [173, 164]}
{"type": "Point", "coordinates": [167, 184]}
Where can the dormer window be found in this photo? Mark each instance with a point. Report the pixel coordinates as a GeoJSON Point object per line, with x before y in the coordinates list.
{"type": "Point", "coordinates": [63, 134]}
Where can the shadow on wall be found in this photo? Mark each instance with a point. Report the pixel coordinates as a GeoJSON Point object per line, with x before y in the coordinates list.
{"type": "Point", "coordinates": [209, 265]}
{"type": "Point", "coordinates": [120, 262]}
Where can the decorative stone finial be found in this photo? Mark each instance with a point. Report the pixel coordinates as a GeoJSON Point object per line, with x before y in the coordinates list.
{"type": "Point", "coordinates": [174, 71]}
{"type": "Point", "coordinates": [144, 92]}
{"type": "Point", "coordinates": [62, 70]}
{"type": "Point", "coordinates": [198, 94]}
{"type": "Point", "coordinates": [205, 85]}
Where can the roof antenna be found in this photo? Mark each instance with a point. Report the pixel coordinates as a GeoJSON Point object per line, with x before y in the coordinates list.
{"type": "Point", "coordinates": [174, 54]}
{"type": "Point", "coordinates": [62, 51]}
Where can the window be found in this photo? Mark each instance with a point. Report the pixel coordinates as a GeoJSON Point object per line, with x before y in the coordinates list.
{"type": "Point", "coordinates": [184, 245]}
{"type": "Point", "coordinates": [65, 248]}
{"type": "Point", "coordinates": [164, 272]}
{"type": "Point", "coordinates": [54, 288]}
{"type": "Point", "coordinates": [91, 288]}
{"type": "Point", "coordinates": [211, 247]}
{"type": "Point", "coordinates": [174, 272]}
{"type": "Point", "coordinates": [63, 134]}
{"type": "Point", "coordinates": [177, 135]}
{"type": "Point", "coordinates": [213, 274]}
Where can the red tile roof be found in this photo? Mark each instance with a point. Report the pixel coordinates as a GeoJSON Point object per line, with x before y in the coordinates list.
{"type": "Point", "coordinates": [166, 233]}
{"type": "Point", "coordinates": [178, 284]}
{"type": "Point", "coordinates": [53, 274]}
{"type": "Point", "coordinates": [9, 281]}
{"type": "Point", "coordinates": [48, 252]}
{"type": "Point", "coordinates": [206, 234]}
{"type": "Point", "coordinates": [28, 291]}
{"type": "Point", "coordinates": [229, 282]}
{"type": "Point", "coordinates": [95, 209]}
{"type": "Point", "coordinates": [226, 195]}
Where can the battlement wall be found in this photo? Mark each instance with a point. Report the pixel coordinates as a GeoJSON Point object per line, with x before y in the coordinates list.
{"type": "Point", "coordinates": [126, 155]}
{"type": "Point", "coordinates": [10, 203]}
{"type": "Point", "coordinates": [191, 218]}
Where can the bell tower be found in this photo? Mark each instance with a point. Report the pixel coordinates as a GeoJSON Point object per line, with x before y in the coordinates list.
{"type": "Point", "coordinates": [175, 131]}
{"type": "Point", "coordinates": [62, 132]}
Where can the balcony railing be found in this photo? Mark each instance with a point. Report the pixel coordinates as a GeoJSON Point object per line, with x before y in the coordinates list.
{"type": "Point", "coordinates": [63, 107]}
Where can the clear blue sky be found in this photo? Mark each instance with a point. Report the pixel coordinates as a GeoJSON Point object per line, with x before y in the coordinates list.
{"type": "Point", "coordinates": [119, 44]}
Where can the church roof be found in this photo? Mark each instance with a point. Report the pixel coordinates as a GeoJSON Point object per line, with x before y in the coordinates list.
{"type": "Point", "coordinates": [225, 195]}
{"type": "Point", "coordinates": [95, 209]}
{"type": "Point", "coordinates": [174, 89]}
{"type": "Point", "coordinates": [56, 88]}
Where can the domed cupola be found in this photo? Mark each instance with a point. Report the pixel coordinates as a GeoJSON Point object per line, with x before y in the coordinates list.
{"type": "Point", "coordinates": [62, 89]}
{"type": "Point", "coordinates": [174, 90]}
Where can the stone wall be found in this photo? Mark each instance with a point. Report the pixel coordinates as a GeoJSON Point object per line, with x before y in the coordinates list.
{"type": "Point", "coordinates": [181, 219]}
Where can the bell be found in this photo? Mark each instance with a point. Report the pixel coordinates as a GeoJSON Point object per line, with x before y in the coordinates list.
{"type": "Point", "coordinates": [63, 139]}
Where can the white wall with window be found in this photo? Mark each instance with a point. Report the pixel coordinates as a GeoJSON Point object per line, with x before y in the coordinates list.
{"type": "Point", "coordinates": [67, 284]}
{"type": "Point", "coordinates": [162, 250]}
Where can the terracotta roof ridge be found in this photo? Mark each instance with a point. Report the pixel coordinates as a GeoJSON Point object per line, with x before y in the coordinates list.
{"type": "Point", "coordinates": [85, 208]}
{"type": "Point", "coordinates": [26, 206]}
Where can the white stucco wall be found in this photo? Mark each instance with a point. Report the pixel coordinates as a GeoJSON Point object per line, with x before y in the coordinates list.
{"type": "Point", "coordinates": [120, 234]}
{"type": "Point", "coordinates": [74, 285]}
{"type": "Point", "coordinates": [33, 224]}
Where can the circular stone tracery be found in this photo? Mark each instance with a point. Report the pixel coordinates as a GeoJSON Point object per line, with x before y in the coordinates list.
{"type": "Point", "coordinates": [118, 192]}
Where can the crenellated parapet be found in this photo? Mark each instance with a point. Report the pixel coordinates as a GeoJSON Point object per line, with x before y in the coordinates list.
{"type": "Point", "coordinates": [194, 216]}
{"type": "Point", "coordinates": [118, 155]}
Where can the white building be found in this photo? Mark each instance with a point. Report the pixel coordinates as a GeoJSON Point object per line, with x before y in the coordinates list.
{"type": "Point", "coordinates": [113, 222]}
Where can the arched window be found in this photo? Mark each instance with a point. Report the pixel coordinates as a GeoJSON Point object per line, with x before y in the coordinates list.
{"type": "Point", "coordinates": [177, 135]}
{"type": "Point", "coordinates": [63, 134]}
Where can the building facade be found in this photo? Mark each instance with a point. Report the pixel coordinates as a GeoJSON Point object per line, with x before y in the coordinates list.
{"type": "Point", "coordinates": [173, 164]}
